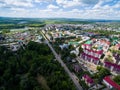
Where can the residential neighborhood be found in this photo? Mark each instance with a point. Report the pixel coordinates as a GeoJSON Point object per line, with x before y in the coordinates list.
{"type": "Point", "coordinates": [85, 50]}
{"type": "Point", "coordinates": [87, 53]}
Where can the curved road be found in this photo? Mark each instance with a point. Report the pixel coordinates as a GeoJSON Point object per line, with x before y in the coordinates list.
{"type": "Point", "coordinates": [75, 81]}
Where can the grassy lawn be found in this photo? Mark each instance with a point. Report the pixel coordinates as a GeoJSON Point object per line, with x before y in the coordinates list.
{"type": "Point", "coordinates": [41, 80]}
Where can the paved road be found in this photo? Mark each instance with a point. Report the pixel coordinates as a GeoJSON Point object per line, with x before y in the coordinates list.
{"type": "Point", "coordinates": [64, 66]}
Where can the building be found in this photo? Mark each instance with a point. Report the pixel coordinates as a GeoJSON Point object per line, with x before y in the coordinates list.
{"type": "Point", "coordinates": [90, 54]}
{"type": "Point", "coordinates": [88, 80]}
{"type": "Point", "coordinates": [76, 67]}
{"type": "Point", "coordinates": [94, 49]}
{"type": "Point", "coordinates": [64, 46]}
{"type": "Point", "coordinates": [112, 67]}
{"type": "Point", "coordinates": [110, 83]}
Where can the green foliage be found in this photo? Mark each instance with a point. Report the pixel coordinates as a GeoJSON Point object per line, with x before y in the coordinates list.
{"type": "Point", "coordinates": [104, 32]}
{"type": "Point", "coordinates": [5, 31]}
{"type": "Point", "coordinates": [72, 55]}
{"type": "Point", "coordinates": [18, 71]}
{"type": "Point", "coordinates": [84, 85]}
{"type": "Point", "coordinates": [99, 68]}
{"type": "Point", "coordinates": [102, 72]}
{"type": "Point", "coordinates": [36, 25]}
{"type": "Point", "coordinates": [103, 55]}
{"type": "Point", "coordinates": [10, 26]}
{"type": "Point", "coordinates": [80, 50]}
{"type": "Point", "coordinates": [117, 79]}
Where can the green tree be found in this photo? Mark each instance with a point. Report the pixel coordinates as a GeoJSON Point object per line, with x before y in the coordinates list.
{"type": "Point", "coordinates": [117, 79]}
{"type": "Point", "coordinates": [102, 72]}
{"type": "Point", "coordinates": [72, 55]}
{"type": "Point", "coordinates": [80, 50]}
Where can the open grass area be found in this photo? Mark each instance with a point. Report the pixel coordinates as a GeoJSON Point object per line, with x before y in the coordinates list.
{"type": "Point", "coordinates": [42, 81]}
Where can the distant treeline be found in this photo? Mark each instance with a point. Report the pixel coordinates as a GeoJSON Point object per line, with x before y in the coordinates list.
{"type": "Point", "coordinates": [15, 26]}
{"type": "Point", "coordinates": [14, 23]}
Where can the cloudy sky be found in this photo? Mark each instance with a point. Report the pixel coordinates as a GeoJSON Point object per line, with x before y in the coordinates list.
{"type": "Point", "coordinates": [84, 9]}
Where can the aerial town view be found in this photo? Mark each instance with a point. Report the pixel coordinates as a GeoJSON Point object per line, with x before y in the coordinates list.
{"type": "Point", "coordinates": [59, 44]}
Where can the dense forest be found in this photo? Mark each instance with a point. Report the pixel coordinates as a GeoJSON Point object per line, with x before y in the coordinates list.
{"type": "Point", "coordinates": [15, 23]}
{"type": "Point", "coordinates": [32, 69]}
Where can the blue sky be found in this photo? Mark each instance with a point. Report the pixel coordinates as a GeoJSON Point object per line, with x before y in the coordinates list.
{"type": "Point", "coordinates": [84, 9]}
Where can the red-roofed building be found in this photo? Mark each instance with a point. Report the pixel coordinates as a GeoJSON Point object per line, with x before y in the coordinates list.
{"type": "Point", "coordinates": [86, 46]}
{"type": "Point", "coordinates": [117, 46]}
{"type": "Point", "coordinates": [88, 80]}
{"type": "Point", "coordinates": [112, 66]}
{"type": "Point", "coordinates": [110, 83]}
{"type": "Point", "coordinates": [92, 55]}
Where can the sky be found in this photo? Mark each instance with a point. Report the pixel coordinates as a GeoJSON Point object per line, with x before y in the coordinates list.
{"type": "Point", "coordinates": [83, 9]}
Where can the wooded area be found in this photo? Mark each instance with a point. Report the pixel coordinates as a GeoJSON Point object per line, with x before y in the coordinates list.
{"type": "Point", "coordinates": [32, 69]}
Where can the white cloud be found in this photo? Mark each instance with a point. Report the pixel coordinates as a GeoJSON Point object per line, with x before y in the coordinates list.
{"type": "Point", "coordinates": [38, 1]}
{"type": "Point", "coordinates": [72, 3]}
{"type": "Point", "coordinates": [18, 9]}
{"type": "Point", "coordinates": [96, 9]}
{"type": "Point", "coordinates": [2, 4]}
{"type": "Point", "coordinates": [90, 2]}
{"type": "Point", "coordinates": [23, 3]}
{"type": "Point", "coordinates": [52, 6]}
{"type": "Point", "coordinates": [68, 3]}
{"type": "Point", "coordinates": [75, 13]}
{"type": "Point", "coordinates": [117, 5]}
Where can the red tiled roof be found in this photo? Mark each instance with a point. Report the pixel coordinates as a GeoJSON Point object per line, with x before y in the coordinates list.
{"type": "Point", "coordinates": [94, 39]}
{"type": "Point", "coordinates": [109, 63]}
{"type": "Point", "coordinates": [100, 52]}
{"type": "Point", "coordinates": [108, 42]}
{"type": "Point", "coordinates": [88, 79]}
{"type": "Point", "coordinates": [94, 51]}
{"type": "Point", "coordinates": [112, 64]}
{"type": "Point", "coordinates": [86, 44]}
{"type": "Point", "coordinates": [95, 58]}
{"type": "Point", "coordinates": [105, 41]}
{"type": "Point", "coordinates": [111, 82]}
{"type": "Point", "coordinates": [118, 45]}
{"type": "Point", "coordinates": [89, 56]}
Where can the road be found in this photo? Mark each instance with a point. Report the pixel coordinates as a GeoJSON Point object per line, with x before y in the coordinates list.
{"type": "Point", "coordinates": [75, 81]}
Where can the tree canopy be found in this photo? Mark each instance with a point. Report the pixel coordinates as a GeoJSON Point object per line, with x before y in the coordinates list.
{"type": "Point", "coordinates": [20, 70]}
{"type": "Point", "coordinates": [117, 79]}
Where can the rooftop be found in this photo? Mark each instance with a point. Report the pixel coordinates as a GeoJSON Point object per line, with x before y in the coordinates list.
{"type": "Point", "coordinates": [111, 82]}
{"type": "Point", "coordinates": [88, 42]}
{"type": "Point", "coordinates": [88, 79]}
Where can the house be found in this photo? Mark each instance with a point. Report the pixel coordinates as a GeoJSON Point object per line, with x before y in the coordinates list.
{"type": "Point", "coordinates": [117, 58]}
{"type": "Point", "coordinates": [117, 47]}
{"type": "Point", "coordinates": [14, 47]}
{"type": "Point", "coordinates": [110, 83]}
{"type": "Point", "coordinates": [112, 66]}
{"type": "Point", "coordinates": [76, 51]}
{"type": "Point", "coordinates": [90, 54]}
{"type": "Point", "coordinates": [77, 68]}
{"type": "Point", "coordinates": [64, 46]}
{"type": "Point", "coordinates": [74, 43]}
{"type": "Point", "coordinates": [94, 49]}
{"type": "Point", "coordinates": [90, 58]}
{"type": "Point", "coordinates": [88, 80]}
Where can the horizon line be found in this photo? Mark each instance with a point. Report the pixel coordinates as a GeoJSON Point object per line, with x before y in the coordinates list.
{"type": "Point", "coordinates": [61, 18]}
